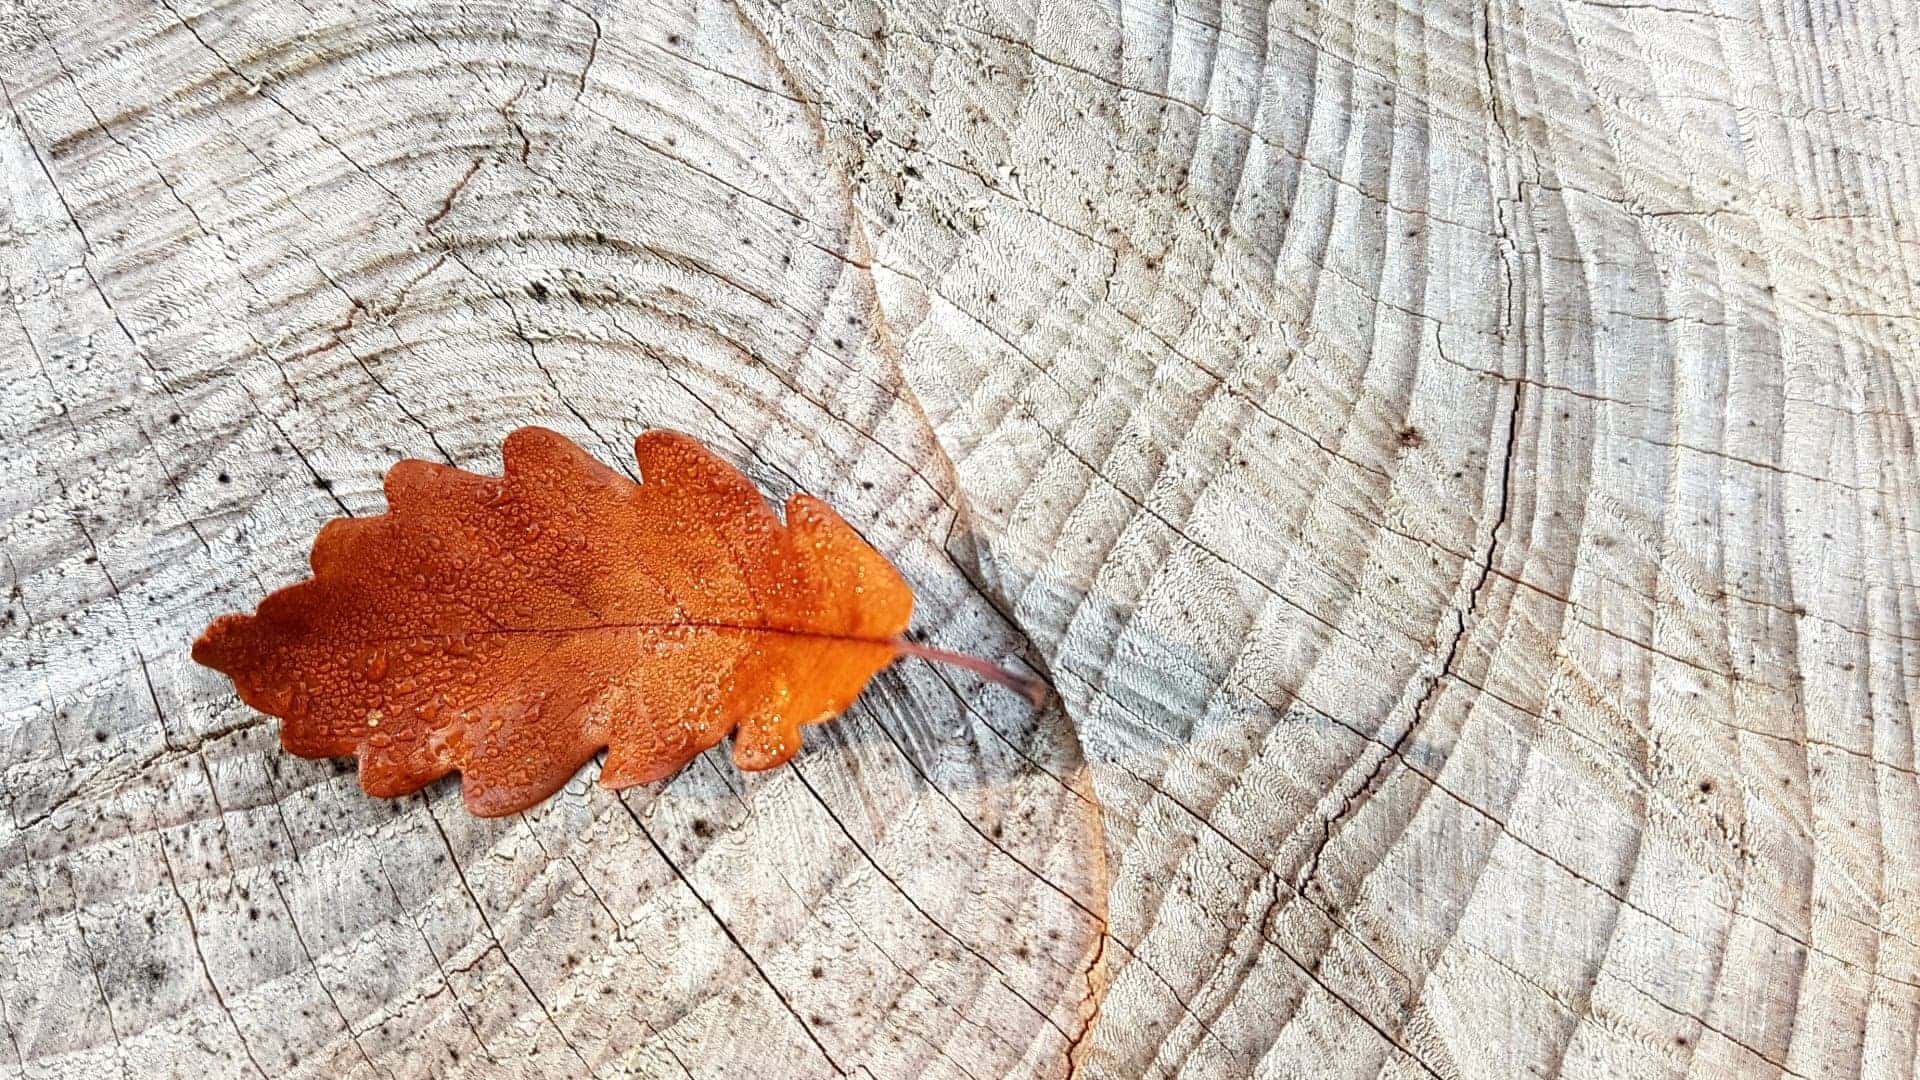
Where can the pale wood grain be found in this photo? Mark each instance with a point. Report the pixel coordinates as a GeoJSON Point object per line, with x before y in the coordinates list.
{"type": "Point", "coordinates": [1455, 460]}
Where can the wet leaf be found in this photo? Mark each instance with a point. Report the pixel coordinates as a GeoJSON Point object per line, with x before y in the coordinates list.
{"type": "Point", "coordinates": [510, 627]}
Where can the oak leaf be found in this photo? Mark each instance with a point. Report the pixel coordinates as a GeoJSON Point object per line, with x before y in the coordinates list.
{"type": "Point", "coordinates": [510, 627]}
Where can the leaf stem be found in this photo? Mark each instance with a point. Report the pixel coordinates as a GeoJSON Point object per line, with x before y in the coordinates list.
{"type": "Point", "coordinates": [1026, 686]}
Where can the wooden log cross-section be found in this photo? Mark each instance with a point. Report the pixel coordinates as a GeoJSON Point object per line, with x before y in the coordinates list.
{"type": "Point", "coordinates": [1455, 460]}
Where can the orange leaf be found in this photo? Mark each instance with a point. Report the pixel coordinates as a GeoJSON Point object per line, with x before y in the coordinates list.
{"type": "Point", "coordinates": [509, 627]}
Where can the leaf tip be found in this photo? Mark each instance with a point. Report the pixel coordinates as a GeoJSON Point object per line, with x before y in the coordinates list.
{"type": "Point", "coordinates": [206, 650]}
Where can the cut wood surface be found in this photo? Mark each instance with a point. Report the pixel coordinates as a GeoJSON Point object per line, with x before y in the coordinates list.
{"type": "Point", "coordinates": [1455, 461]}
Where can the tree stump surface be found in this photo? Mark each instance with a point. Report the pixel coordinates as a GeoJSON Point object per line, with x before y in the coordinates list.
{"type": "Point", "coordinates": [1455, 461]}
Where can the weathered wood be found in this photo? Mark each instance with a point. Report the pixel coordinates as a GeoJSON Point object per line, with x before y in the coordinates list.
{"type": "Point", "coordinates": [1455, 460]}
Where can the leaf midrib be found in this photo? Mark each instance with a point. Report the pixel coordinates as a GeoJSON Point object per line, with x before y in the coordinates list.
{"type": "Point", "coordinates": [678, 624]}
